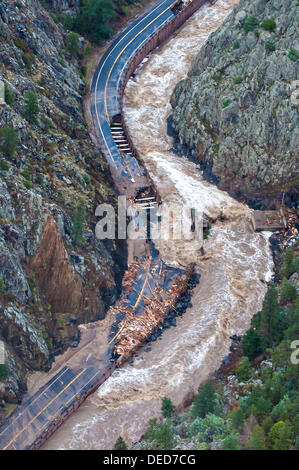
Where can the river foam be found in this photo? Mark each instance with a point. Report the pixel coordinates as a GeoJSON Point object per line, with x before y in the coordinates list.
{"type": "Point", "coordinates": [236, 260]}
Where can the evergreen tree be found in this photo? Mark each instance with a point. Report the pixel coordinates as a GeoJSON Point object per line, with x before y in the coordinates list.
{"type": "Point", "coordinates": [243, 372]}
{"type": "Point", "coordinates": [288, 266]}
{"type": "Point", "coordinates": [287, 291]}
{"type": "Point", "coordinates": [93, 18]}
{"type": "Point", "coordinates": [72, 43]}
{"type": "Point", "coordinates": [252, 344]}
{"type": "Point", "coordinates": [8, 96]}
{"type": "Point", "coordinates": [8, 141]}
{"type": "Point", "coordinates": [280, 436]}
{"type": "Point", "coordinates": [31, 107]}
{"type": "Point", "coordinates": [270, 316]}
{"type": "Point", "coordinates": [205, 401]}
{"type": "Point", "coordinates": [120, 444]}
{"type": "Point", "coordinates": [256, 439]}
{"type": "Point", "coordinates": [237, 417]}
{"type": "Point", "coordinates": [167, 407]}
{"type": "Point", "coordinates": [163, 438]}
{"type": "Point", "coordinates": [231, 442]}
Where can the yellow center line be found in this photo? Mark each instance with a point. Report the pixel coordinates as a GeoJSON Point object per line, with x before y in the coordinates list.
{"type": "Point", "coordinates": [36, 416]}
{"type": "Point", "coordinates": [127, 45]}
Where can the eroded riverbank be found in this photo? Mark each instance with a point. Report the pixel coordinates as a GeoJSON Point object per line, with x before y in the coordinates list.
{"type": "Point", "coordinates": [230, 289]}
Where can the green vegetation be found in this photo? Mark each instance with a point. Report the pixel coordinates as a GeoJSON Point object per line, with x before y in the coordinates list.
{"type": "Point", "coordinates": [167, 407]}
{"type": "Point", "coordinates": [8, 141]}
{"type": "Point", "coordinates": [268, 390]}
{"type": "Point", "coordinates": [29, 60]}
{"type": "Point", "coordinates": [268, 25]}
{"type": "Point", "coordinates": [205, 401]}
{"type": "Point", "coordinates": [120, 444]}
{"type": "Point", "coordinates": [72, 43]}
{"type": "Point", "coordinates": [2, 285]}
{"type": "Point", "coordinates": [225, 103]}
{"type": "Point", "coordinates": [270, 46]}
{"type": "Point", "coordinates": [4, 370]}
{"type": "Point", "coordinates": [293, 54]}
{"type": "Point", "coordinates": [238, 79]}
{"type": "Point", "coordinates": [250, 23]}
{"type": "Point", "coordinates": [31, 107]}
{"type": "Point", "coordinates": [79, 223]}
{"type": "Point", "coordinates": [93, 18]}
{"type": "Point", "coordinates": [8, 96]}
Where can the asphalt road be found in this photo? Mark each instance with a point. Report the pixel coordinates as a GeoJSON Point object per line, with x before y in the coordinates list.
{"type": "Point", "coordinates": [107, 82]}
{"type": "Point", "coordinates": [35, 415]}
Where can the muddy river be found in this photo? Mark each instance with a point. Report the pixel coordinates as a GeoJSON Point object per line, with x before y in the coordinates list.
{"type": "Point", "coordinates": [236, 259]}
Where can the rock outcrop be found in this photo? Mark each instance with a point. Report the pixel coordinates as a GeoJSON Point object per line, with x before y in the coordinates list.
{"type": "Point", "coordinates": [49, 282]}
{"type": "Point", "coordinates": [237, 110]}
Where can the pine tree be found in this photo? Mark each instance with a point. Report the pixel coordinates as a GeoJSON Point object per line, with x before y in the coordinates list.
{"type": "Point", "coordinates": [256, 439]}
{"type": "Point", "coordinates": [287, 291]}
{"type": "Point", "coordinates": [163, 438]}
{"type": "Point", "coordinates": [167, 407]}
{"type": "Point", "coordinates": [8, 141]}
{"type": "Point", "coordinates": [243, 372]}
{"type": "Point", "coordinates": [205, 401]}
{"type": "Point", "coordinates": [120, 444]}
{"type": "Point", "coordinates": [8, 96]}
{"type": "Point", "coordinates": [252, 344]}
{"type": "Point", "coordinates": [280, 436]}
{"type": "Point", "coordinates": [270, 319]}
{"type": "Point", "coordinates": [288, 266]}
{"type": "Point", "coordinates": [31, 107]}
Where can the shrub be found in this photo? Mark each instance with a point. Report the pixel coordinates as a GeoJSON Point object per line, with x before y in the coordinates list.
{"type": "Point", "coordinates": [270, 46]}
{"type": "Point", "coordinates": [47, 123]}
{"type": "Point", "coordinates": [238, 79]}
{"type": "Point", "coordinates": [2, 285]}
{"type": "Point", "coordinates": [252, 344]}
{"type": "Point", "coordinates": [293, 54]}
{"type": "Point", "coordinates": [87, 178]}
{"type": "Point", "coordinates": [250, 23]}
{"type": "Point", "coordinates": [72, 43]}
{"type": "Point", "coordinates": [205, 401]}
{"type": "Point", "coordinates": [4, 166]}
{"type": "Point", "coordinates": [243, 372]}
{"type": "Point", "coordinates": [29, 60]}
{"type": "Point", "coordinates": [231, 442]}
{"type": "Point", "coordinates": [8, 96]}
{"type": "Point", "coordinates": [120, 444]}
{"type": "Point", "coordinates": [163, 437]}
{"type": "Point", "coordinates": [288, 266]}
{"type": "Point", "coordinates": [280, 436]}
{"type": "Point", "coordinates": [4, 370]}
{"type": "Point", "coordinates": [225, 103]}
{"type": "Point", "coordinates": [268, 25]}
{"type": "Point", "coordinates": [211, 426]}
{"type": "Point", "coordinates": [256, 439]}
{"type": "Point", "coordinates": [167, 407]}
{"type": "Point", "coordinates": [31, 107]}
{"type": "Point", "coordinates": [287, 291]}
{"type": "Point", "coordinates": [8, 141]}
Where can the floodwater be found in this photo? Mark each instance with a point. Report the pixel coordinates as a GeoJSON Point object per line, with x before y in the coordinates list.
{"type": "Point", "coordinates": [236, 259]}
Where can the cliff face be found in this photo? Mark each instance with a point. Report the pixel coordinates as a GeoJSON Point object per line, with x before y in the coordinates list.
{"type": "Point", "coordinates": [236, 110]}
{"type": "Point", "coordinates": [48, 282]}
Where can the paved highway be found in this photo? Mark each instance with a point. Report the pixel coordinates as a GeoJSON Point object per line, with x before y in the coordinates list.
{"type": "Point", "coordinates": [106, 87]}
{"type": "Point", "coordinates": [45, 408]}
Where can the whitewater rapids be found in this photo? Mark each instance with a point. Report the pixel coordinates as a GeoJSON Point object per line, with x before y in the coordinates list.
{"type": "Point", "coordinates": [236, 260]}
